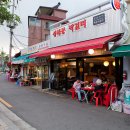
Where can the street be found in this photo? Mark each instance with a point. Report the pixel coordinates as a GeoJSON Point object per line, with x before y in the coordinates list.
{"type": "Point", "coordinates": [48, 112]}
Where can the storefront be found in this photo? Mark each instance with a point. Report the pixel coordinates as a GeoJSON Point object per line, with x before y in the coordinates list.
{"type": "Point", "coordinates": [123, 52]}
{"type": "Point", "coordinates": [82, 65]}
{"type": "Point", "coordinates": [43, 67]}
{"type": "Point", "coordinates": [80, 49]}
{"type": "Point", "coordinates": [24, 64]}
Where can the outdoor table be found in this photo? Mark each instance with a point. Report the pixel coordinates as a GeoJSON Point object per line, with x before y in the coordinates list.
{"type": "Point", "coordinates": [38, 80]}
{"type": "Point", "coordinates": [26, 81]}
{"type": "Point", "coordinates": [87, 90]}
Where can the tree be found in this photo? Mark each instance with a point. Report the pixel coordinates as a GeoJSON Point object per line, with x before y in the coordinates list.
{"type": "Point", "coordinates": [5, 14]}
{"type": "Point", "coordinates": [4, 59]}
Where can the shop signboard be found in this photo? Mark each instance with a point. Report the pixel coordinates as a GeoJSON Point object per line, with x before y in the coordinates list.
{"type": "Point", "coordinates": [102, 24]}
{"type": "Point", "coordinates": [37, 47]}
{"type": "Point", "coordinates": [42, 61]}
{"type": "Point", "coordinates": [115, 4]}
{"type": "Point", "coordinates": [32, 49]}
{"type": "Point", "coordinates": [98, 19]}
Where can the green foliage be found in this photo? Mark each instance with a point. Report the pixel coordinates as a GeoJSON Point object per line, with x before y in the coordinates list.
{"type": "Point", "coordinates": [5, 14]}
{"type": "Point", "coordinates": [4, 56]}
{"type": "Point", "coordinates": [4, 59]}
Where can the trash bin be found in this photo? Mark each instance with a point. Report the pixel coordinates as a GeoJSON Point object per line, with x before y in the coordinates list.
{"type": "Point", "coordinates": [45, 84]}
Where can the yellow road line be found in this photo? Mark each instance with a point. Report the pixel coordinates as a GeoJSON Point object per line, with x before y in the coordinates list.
{"type": "Point", "coordinates": [5, 103]}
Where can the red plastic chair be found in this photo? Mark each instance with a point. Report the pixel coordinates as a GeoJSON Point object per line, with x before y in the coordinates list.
{"type": "Point", "coordinates": [97, 97]}
{"type": "Point", "coordinates": [110, 96]}
{"type": "Point", "coordinates": [105, 88]}
{"type": "Point", "coordinates": [72, 91]}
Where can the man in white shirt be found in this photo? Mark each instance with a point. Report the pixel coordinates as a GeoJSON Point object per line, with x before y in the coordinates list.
{"type": "Point", "coordinates": [77, 87]}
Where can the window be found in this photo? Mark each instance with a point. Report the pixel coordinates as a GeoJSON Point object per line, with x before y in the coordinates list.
{"type": "Point", "coordinates": [95, 66]}
{"type": "Point", "coordinates": [47, 25]}
{"type": "Point", "coordinates": [47, 36]}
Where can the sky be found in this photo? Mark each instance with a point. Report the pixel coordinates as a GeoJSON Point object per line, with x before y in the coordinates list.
{"type": "Point", "coordinates": [27, 8]}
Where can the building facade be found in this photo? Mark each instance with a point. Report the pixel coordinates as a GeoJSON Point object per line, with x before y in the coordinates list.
{"type": "Point", "coordinates": [38, 25]}
{"type": "Point", "coordinates": [81, 48]}
{"type": "Point", "coordinates": [84, 47]}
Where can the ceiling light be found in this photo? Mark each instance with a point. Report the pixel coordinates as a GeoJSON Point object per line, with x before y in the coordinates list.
{"type": "Point", "coordinates": [90, 51]}
{"type": "Point", "coordinates": [106, 63]}
{"type": "Point", "coordinates": [53, 56]}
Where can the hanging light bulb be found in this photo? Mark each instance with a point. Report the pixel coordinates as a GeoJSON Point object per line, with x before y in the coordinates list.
{"type": "Point", "coordinates": [106, 63]}
{"type": "Point", "coordinates": [113, 63]}
{"type": "Point", "coordinates": [53, 56]}
{"type": "Point", "coordinates": [90, 51]}
{"type": "Point", "coordinates": [91, 64]}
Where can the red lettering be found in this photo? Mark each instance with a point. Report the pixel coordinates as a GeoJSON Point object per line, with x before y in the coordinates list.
{"type": "Point", "coordinates": [83, 23]}
{"type": "Point", "coordinates": [58, 32]}
{"type": "Point", "coordinates": [63, 30]}
{"type": "Point", "coordinates": [71, 27]}
{"type": "Point", "coordinates": [54, 33]}
{"type": "Point", "coordinates": [77, 26]}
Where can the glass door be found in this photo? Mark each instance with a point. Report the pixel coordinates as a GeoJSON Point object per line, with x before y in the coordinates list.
{"type": "Point", "coordinates": [45, 72]}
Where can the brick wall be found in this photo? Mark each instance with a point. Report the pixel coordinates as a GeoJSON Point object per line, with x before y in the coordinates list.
{"type": "Point", "coordinates": [60, 14]}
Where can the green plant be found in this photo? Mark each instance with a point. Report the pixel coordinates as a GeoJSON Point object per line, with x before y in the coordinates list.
{"type": "Point", "coordinates": [6, 15]}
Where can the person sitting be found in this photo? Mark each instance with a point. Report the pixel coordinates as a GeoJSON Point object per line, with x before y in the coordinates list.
{"type": "Point", "coordinates": [19, 78]}
{"type": "Point", "coordinates": [16, 76]}
{"type": "Point", "coordinates": [99, 85]}
{"type": "Point", "coordinates": [77, 87]}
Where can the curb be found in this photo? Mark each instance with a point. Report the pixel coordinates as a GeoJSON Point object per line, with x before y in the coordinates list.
{"type": "Point", "coordinates": [10, 118]}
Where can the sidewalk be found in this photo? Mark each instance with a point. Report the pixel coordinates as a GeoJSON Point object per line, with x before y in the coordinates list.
{"type": "Point", "coordinates": [51, 91]}
{"type": "Point", "coordinates": [10, 121]}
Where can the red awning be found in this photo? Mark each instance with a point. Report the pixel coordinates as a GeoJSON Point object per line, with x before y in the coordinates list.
{"type": "Point", "coordinates": [75, 47]}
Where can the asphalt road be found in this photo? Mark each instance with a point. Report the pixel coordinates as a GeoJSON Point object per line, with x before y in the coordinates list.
{"type": "Point", "coordinates": [49, 112]}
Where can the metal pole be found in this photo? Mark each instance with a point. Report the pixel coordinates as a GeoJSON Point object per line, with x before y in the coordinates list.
{"type": "Point", "coordinates": [2, 59]}
{"type": "Point", "coordinates": [11, 32]}
{"type": "Point", "coordinates": [10, 46]}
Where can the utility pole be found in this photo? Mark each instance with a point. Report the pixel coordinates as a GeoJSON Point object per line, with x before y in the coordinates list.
{"type": "Point", "coordinates": [11, 26]}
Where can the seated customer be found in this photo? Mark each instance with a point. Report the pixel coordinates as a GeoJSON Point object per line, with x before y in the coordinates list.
{"type": "Point", "coordinates": [99, 85]}
{"type": "Point", "coordinates": [77, 87]}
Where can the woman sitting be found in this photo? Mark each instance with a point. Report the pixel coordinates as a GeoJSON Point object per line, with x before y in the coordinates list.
{"type": "Point", "coordinates": [99, 85]}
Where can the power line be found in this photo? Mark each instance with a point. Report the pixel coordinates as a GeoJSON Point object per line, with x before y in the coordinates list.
{"type": "Point", "coordinates": [15, 44]}
{"type": "Point", "coordinates": [26, 37]}
{"type": "Point", "coordinates": [14, 49]}
{"type": "Point", "coordinates": [22, 35]}
{"type": "Point", "coordinates": [20, 41]}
